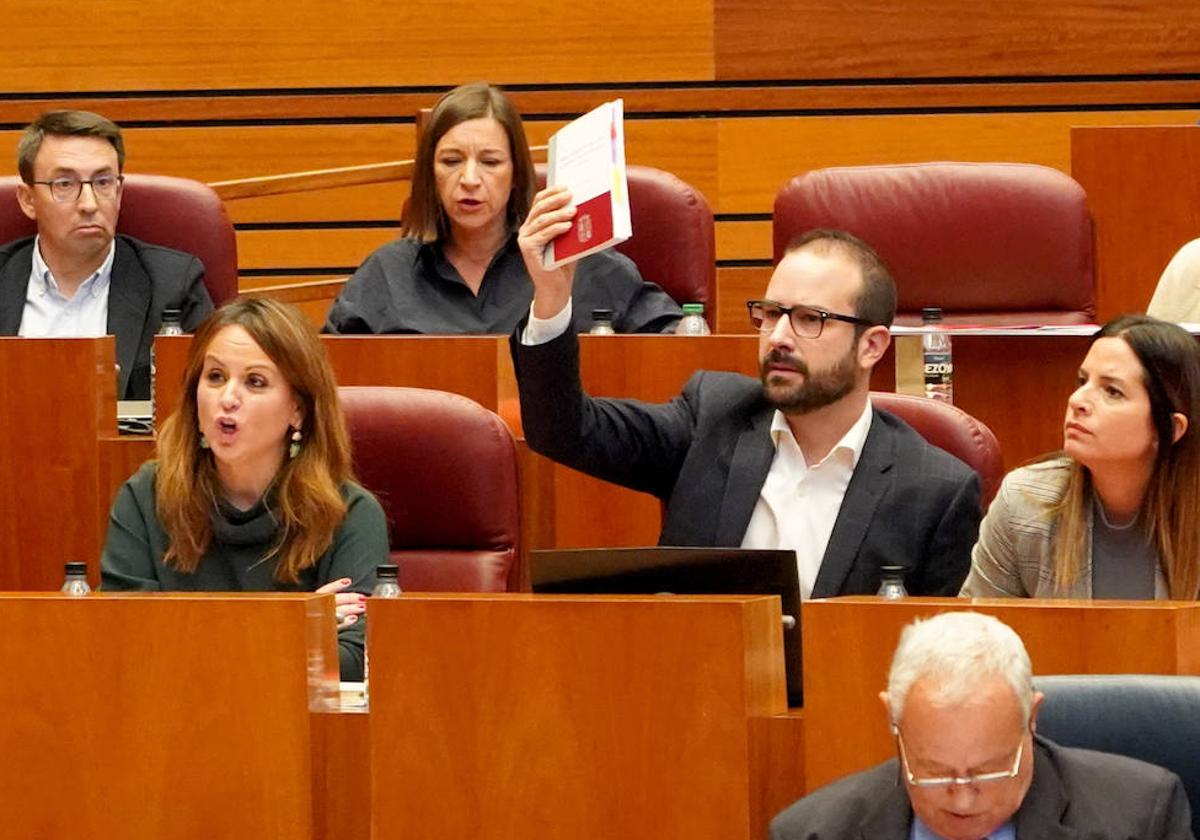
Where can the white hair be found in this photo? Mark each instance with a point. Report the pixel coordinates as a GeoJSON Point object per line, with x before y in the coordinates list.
{"type": "Point", "coordinates": [959, 650]}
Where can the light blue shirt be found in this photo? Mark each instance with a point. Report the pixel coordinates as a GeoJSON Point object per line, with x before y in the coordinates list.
{"type": "Point", "coordinates": [920, 831]}
{"type": "Point", "coordinates": [48, 313]}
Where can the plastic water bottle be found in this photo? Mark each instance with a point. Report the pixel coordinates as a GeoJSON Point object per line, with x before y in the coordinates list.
{"type": "Point", "coordinates": [693, 322]}
{"type": "Point", "coordinates": [76, 582]}
{"type": "Point", "coordinates": [171, 324]}
{"type": "Point", "coordinates": [601, 324]}
{"type": "Point", "coordinates": [387, 585]}
{"type": "Point", "coordinates": [939, 363]}
{"type": "Point", "coordinates": [891, 587]}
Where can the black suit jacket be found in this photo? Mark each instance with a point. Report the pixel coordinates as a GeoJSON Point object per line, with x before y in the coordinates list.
{"type": "Point", "coordinates": [146, 279]}
{"type": "Point", "coordinates": [1075, 795]}
{"type": "Point", "coordinates": [707, 454]}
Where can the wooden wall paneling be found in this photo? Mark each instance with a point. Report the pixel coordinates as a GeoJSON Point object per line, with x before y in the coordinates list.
{"type": "Point", "coordinates": [735, 286]}
{"type": "Point", "coordinates": [1143, 188]}
{"type": "Point", "coordinates": [801, 39]}
{"type": "Point", "coordinates": [218, 153]}
{"type": "Point", "coordinates": [178, 46]}
{"type": "Point", "coordinates": [310, 248]}
{"type": "Point", "coordinates": [758, 155]}
{"type": "Point", "coordinates": [660, 98]}
{"type": "Point", "coordinates": [739, 239]}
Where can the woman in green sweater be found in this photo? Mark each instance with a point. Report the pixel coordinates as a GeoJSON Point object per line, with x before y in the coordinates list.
{"type": "Point", "coordinates": [252, 487]}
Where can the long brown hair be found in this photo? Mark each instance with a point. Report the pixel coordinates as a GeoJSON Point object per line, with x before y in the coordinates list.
{"type": "Point", "coordinates": [307, 499]}
{"type": "Point", "coordinates": [1170, 361]}
{"type": "Point", "coordinates": [426, 218]}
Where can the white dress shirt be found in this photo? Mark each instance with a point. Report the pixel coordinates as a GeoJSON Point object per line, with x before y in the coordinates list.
{"type": "Point", "coordinates": [50, 314]}
{"type": "Point", "coordinates": [799, 503]}
{"type": "Point", "coordinates": [541, 330]}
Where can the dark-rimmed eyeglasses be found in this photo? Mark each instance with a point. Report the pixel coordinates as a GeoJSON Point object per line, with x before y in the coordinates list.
{"type": "Point", "coordinates": [807, 321]}
{"type": "Point", "coordinates": [64, 190]}
{"type": "Point", "coordinates": [954, 781]}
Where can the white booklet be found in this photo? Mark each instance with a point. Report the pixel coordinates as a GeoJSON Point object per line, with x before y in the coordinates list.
{"type": "Point", "coordinates": [588, 157]}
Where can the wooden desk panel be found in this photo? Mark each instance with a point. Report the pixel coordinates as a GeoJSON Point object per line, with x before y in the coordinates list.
{"type": "Point", "coordinates": [848, 646]}
{"type": "Point", "coordinates": [176, 717]}
{"type": "Point", "coordinates": [60, 398]}
{"type": "Point", "coordinates": [512, 717]}
{"type": "Point", "coordinates": [1143, 188]}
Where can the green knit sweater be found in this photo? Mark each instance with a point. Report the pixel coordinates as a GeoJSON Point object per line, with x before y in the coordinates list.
{"type": "Point", "coordinates": [136, 543]}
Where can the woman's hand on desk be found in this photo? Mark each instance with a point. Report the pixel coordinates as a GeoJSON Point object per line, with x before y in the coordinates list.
{"type": "Point", "coordinates": [348, 606]}
{"type": "Point", "coordinates": [549, 217]}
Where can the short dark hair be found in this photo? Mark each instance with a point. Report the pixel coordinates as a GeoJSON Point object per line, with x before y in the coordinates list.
{"type": "Point", "coordinates": [426, 218]}
{"type": "Point", "coordinates": [65, 124]}
{"type": "Point", "coordinates": [876, 300]}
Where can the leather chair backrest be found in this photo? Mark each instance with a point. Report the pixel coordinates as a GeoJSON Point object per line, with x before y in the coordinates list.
{"type": "Point", "coordinates": [174, 212]}
{"type": "Point", "coordinates": [989, 243]}
{"type": "Point", "coordinates": [445, 470]}
{"type": "Point", "coordinates": [673, 242]}
{"type": "Point", "coordinates": [1148, 717]}
{"type": "Point", "coordinates": [952, 429]}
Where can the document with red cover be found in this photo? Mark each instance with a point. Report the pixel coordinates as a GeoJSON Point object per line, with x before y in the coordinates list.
{"type": "Point", "coordinates": [588, 157]}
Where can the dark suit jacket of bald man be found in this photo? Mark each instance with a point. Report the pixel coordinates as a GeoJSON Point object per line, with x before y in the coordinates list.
{"type": "Point", "coordinates": [146, 279]}
{"type": "Point", "coordinates": [707, 452]}
{"type": "Point", "coordinates": [1075, 795]}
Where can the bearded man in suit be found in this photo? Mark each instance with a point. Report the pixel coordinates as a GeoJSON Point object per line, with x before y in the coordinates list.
{"type": "Point", "coordinates": [797, 460]}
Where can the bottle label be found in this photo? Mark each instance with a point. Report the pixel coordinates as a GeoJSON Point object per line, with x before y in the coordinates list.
{"type": "Point", "coordinates": [939, 367]}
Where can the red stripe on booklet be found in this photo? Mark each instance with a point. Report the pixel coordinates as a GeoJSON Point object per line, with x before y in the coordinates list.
{"type": "Point", "coordinates": [593, 224]}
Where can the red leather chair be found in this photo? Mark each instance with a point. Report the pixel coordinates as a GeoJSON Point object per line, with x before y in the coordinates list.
{"type": "Point", "coordinates": [989, 243]}
{"type": "Point", "coordinates": [174, 212]}
{"type": "Point", "coordinates": [953, 430]}
{"type": "Point", "coordinates": [673, 242]}
{"type": "Point", "coordinates": [445, 470]}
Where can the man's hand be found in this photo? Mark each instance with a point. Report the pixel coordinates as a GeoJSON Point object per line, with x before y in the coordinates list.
{"type": "Point", "coordinates": [549, 217]}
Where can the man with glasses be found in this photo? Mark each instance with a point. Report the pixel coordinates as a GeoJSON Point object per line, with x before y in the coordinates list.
{"type": "Point", "coordinates": [77, 278]}
{"type": "Point", "coordinates": [797, 459]}
{"type": "Point", "coordinates": [968, 765]}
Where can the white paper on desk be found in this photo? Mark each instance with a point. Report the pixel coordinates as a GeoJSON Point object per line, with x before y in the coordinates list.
{"type": "Point", "coordinates": [588, 157]}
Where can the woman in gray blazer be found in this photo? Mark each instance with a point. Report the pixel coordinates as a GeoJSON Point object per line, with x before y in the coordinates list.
{"type": "Point", "coordinates": [1114, 514]}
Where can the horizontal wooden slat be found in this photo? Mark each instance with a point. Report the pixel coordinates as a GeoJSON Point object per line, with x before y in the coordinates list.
{"type": "Point", "coordinates": [313, 299]}
{"type": "Point", "coordinates": [804, 39]}
{"type": "Point", "coordinates": [738, 163]}
{"type": "Point", "coordinates": [308, 43]}
{"type": "Point", "coordinates": [759, 155]}
{"type": "Point", "coordinates": [738, 240]}
{"type": "Point", "coordinates": [303, 283]}
{"type": "Point", "coordinates": [309, 248]}
{"type": "Point", "coordinates": [745, 99]}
